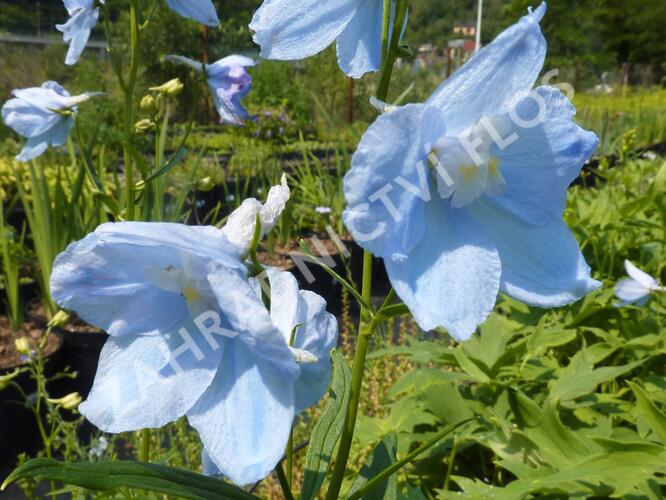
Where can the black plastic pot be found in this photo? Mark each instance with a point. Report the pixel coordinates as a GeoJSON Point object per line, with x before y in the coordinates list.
{"type": "Point", "coordinates": [20, 433]}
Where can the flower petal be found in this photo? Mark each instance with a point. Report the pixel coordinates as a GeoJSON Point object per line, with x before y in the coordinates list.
{"type": "Point", "coordinates": [244, 419]}
{"type": "Point", "coordinates": [452, 276]}
{"type": "Point", "coordinates": [77, 31]}
{"type": "Point", "coordinates": [289, 30]}
{"type": "Point", "coordinates": [541, 265]}
{"type": "Point", "coordinates": [108, 278]}
{"type": "Point", "coordinates": [202, 11]}
{"type": "Point", "coordinates": [149, 381]}
{"type": "Point", "coordinates": [382, 214]}
{"type": "Point", "coordinates": [318, 335]}
{"type": "Point", "coordinates": [544, 159]}
{"type": "Point", "coordinates": [630, 291]}
{"type": "Point", "coordinates": [640, 276]}
{"type": "Point", "coordinates": [487, 83]}
{"type": "Point", "coordinates": [359, 45]}
{"type": "Point", "coordinates": [242, 306]}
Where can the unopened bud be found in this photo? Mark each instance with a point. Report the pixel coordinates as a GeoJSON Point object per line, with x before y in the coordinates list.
{"type": "Point", "coordinates": [69, 402]}
{"type": "Point", "coordinates": [147, 103]}
{"type": "Point", "coordinates": [23, 346]}
{"type": "Point", "coordinates": [205, 184]}
{"type": "Point", "coordinates": [61, 318]}
{"type": "Point", "coordinates": [143, 126]}
{"type": "Point", "coordinates": [171, 88]}
{"type": "Point", "coordinates": [5, 380]}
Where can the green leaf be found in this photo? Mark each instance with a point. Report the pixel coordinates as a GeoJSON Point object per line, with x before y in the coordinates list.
{"type": "Point", "coordinates": [470, 367]}
{"type": "Point", "coordinates": [173, 161]}
{"type": "Point", "coordinates": [383, 456]}
{"type": "Point", "coordinates": [326, 431]}
{"type": "Point", "coordinates": [107, 476]}
{"type": "Point", "coordinates": [653, 416]}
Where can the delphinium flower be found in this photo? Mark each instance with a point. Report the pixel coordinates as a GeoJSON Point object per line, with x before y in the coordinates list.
{"type": "Point", "coordinates": [228, 81]}
{"type": "Point", "coordinates": [202, 11]}
{"type": "Point", "coordinates": [83, 17]}
{"type": "Point", "coordinates": [638, 287]}
{"type": "Point", "coordinates": [190, 335]}
{"type": "Point", "coordinates": [463, 196]}
{"type": "Point", "coordinates": [44, 115]}
{"type": "Point", "coordinates": [292, 30]}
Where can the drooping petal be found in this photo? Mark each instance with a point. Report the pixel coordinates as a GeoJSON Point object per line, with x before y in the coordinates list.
{"type": "Point", "coordinates": [77, 31]}
{"type": "Point", "coordinates": [289, 30]}
{"type": "Point", "coordinates": [228, 85]}
{"type": "Point", "coordinates": [149, 381]}
{"type": "Point", "coordinates": [28, 120]}
{"type": "Point", "coordinates": [630, 291]}
{"type": "Point", "coordinates": [452, 276]}
{"type": "Point", "coordinates": [317, 335]}
{"type": "Point", "coordinates": [640, 276]}
{"type": "Point", "coordinates": [546, 154]}
{"type": "Point", "coordinates": [245, 417]}
{"type": "Point", "coordinates": [285, 303]}
{"type": "Point", "coordinates": [202, 11]}
{"type": "Point", "coordinates": [111, 277]}
{"type": "Point", "coordinates": [487, 84]}
{"type": "Point", "coordinates": [242, 306]}
{"type": "Point", "coordinates": [388, 185]}
{"type": "Point", "coordinates": [359, 46]}
{"type": "Point", "coordinates": [541, 265]}
{"type": "Point", "coordinates": [55, 136]}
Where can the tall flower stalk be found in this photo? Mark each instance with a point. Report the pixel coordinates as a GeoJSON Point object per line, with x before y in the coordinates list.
{"type": "Point", "coordinates": [367, 325]}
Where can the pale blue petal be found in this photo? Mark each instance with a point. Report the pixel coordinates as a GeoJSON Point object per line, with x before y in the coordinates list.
{"type": "Point", "coordinates": [244, 419]}
{"type": "Point", "coordinates": [359, 46]}
{"type": "Point", "coordinates": [318, 335]}
{"type": "Point", "coordinates": [149, 381]}
{"type": "Point", "coordinates": [630, 291]}
{"type": "Point", "coordinates": [451, 277]}
{"type": "Point", "coordinates": [392, 154]}
{"type": "Point", "coordinates": [488, 83]}
{"type": "Point", "coordinates": [541, 265]}
{"type": "Point", "coordinates": [229, 82]}
{"type": "Point", "coordinates": [285, 301]}
{"type": "Point", "coordinates": [108, 278]}
{"type": "Point", "coordinates": [77, 31]}
{"type": "Point", "coordinates": [28, 120]}
{"type": "Point", "coordinates": [290, 30]}
{"type": "Point", "coordinates": [543, 161]}
{"type": "Point", "coordinates": [208, 466]}
{"type": "Point", "coordinates": [241, 304]}
{"type": "Point", "coordinates": [55, 136]}
{"type": "Point", "coordinates": [202, 11]}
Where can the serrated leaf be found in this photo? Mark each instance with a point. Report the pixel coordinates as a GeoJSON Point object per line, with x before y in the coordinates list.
{"type": "Point", "coordinates": [107, 476]}
{"type": "Point", "coordinates": [470, 367]}
{"type": "Point", "coordinates": [653, 416]}
{"type": "Point", "coordinates": [326, 431]}
{"type": "Point", "coordinates": [382, 457]}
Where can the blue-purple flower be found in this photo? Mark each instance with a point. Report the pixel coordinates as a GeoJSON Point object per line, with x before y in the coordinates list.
{"type": "Point", "coordinates": [44, 115]}
{"type": "Point", "coordinates": [228, 81]}
{"type": "Point", "coordinates": [292, 30]}
{"type": "Point", "coordinates": [202, 11]}
{"type": "Point", "coordinates": [463, 196]}
{"type": "Point", "coordinates": [83, 17]}
{"type": "Point", "coordinates": [190, 335]}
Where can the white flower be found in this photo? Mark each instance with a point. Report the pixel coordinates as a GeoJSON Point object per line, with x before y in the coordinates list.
{"type": "Point", "coordinates": [637, 287]}
{"type": "Point", "coordinates": [323, 210]}
{"type": "Point", "coordinates": [240, 226]}
{"type": "Point", "coordinates": [98, 449]}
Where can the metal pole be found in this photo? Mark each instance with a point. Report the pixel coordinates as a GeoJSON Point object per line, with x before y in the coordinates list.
{"type": "Point", "coordinates": [477, 45]}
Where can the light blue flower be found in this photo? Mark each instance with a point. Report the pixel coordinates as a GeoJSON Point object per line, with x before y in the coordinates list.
{"type": "Point", "coordinates": [228, 81]}
{"type": "Point", "coordinates": [202, 11]}
{"type": "Point", "coordinates": [291, 30]}
{"type": "Point", "coordinates": [83, 17]}
{"type": "Point", "coordinates": [44, 115]}
{"type": "Point", "coordinates": [463, 196]}
{"type": "Point", "coordinates": [190, 335]}
{"type": "Point", "coordinates": [638, 287]}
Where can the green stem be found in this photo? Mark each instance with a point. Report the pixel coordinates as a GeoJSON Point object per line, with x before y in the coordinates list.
{"type": "Point", "coordinates": [129, 109]}
{"type": "Point", "coordinates": [452, 459]}
{"type": "Point", "coordinates": [366, 326]}
{"type": "Point", "coordinates": [284, 484]}
{"type": "Point", "coordinates": [144, 452]}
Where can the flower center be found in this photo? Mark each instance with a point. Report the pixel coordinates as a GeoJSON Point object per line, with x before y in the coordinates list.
{"type": "Point", "coordinates": [465, 168]}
